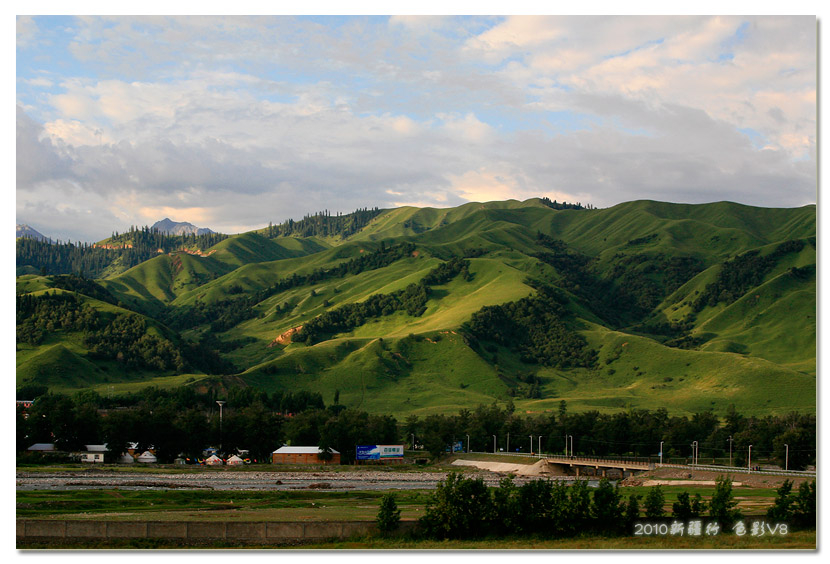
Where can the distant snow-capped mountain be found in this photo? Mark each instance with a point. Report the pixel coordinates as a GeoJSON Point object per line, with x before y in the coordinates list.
{"type": "Point", "coordinates": [24, 230]}
{"type": "Point", "coordinates": [170, 227]}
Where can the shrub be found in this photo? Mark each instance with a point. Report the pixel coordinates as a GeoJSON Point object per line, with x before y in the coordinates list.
{"type": "Point", "coordinates": [389, 516]}
{"type": "Point", "coordinates": [722, 506]}
{"type": "Point", "coordinates": [654, 503]}
{"type": "Point", "coordinates": [459, 508]}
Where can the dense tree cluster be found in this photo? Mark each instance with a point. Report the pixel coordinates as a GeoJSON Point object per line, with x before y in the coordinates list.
{"type": "Point", "coordinates": [123, 337]}
{"type": "Point", "coordinates": [464, 507]}
{"type": "Point", "coordinates": [80, 284]}
{"type": "Point", "coordinates": [535, 327]}
{"type": "Point", "coordinates": [127, 249]}
{"type": "Point", "coordinates": [127, 340]}
{"type": "Point", "coordinates": [412, 299]}
{"type": "Point", "coordinates": [798, 508]}
{"type": "Point", "coordinates": [323, 224]}
{"type": "Point", "coordinates": [630, 291]}
{"type": "Point", "coordinates": [742, 273]}
{"type": "Point", "coordinates": [63, 258]}
{"type": "Point", "coordinates": [642, 281]}
{"type": "Point", "coordinates": [52, 311]}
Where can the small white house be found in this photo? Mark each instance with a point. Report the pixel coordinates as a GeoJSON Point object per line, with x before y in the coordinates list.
{"type": "Point", "coordinates": [94, 454]}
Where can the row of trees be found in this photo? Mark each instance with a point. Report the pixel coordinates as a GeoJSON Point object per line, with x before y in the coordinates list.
{"type": "Point", "coordinates": [633, 433]}
{"type": "Point", "coordinates": [323, 224]}
{"type": "Point", "coordinates": [302, 418]}
{"type": "Point", "coordinates": [175, 422]}
{"type": "Point", "coordinates": [464, 507]}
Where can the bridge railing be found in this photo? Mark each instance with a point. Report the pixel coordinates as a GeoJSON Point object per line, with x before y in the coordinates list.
{"type": "Point", "coordinates": [741, 470]}
{"type": "Point", "coordinates": [640, 461]}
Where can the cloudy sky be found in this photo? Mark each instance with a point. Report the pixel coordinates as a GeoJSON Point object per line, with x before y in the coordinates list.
{"type": "Point", "coordinates": [232, 122]}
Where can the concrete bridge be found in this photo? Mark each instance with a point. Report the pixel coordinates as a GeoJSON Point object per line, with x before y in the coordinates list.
{"type": "Point", "coordinates": [592, 466]}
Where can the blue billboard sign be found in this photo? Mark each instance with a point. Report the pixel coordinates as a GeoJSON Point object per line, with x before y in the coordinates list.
{"type": "Point", "coordinates": [379, 452]}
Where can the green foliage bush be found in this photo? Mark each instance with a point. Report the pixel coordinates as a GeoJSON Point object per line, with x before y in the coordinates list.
{"type": "Point", "coordinates": [389, 516]}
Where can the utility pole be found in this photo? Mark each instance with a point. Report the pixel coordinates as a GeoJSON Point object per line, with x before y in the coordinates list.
{"type": "Point", "coordinates": [540, 444]}
{"type": "Point", "coordinates": [661, 452]}
{"type": "Point", "coordinates": [508, 442]}
{"type": "Point", "coordinates": [787, 458]}
{"type": "Point", "coordinates": [572, 444]}
{"type": "Point", "coordinates": [531, 443]}
{"type": "Point", "coordinates": [750, 459]}
{"type": "Point", "coordinates": [468, 443]}
{"type": "Point", "coordinates": [494, 444]}
{"type": "Point", "coordinates": [221, 403]}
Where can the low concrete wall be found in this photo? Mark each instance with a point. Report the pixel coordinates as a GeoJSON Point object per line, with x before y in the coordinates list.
{"type": "Point", "coordinates": [43, 530]}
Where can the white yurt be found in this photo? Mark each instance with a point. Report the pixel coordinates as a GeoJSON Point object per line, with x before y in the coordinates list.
{"type": "Point", "coordinates": [214, 461]}
{"type": "Point", "coordinates": [235, 461]}
{"type": "Point", "coordinates": [126, 458]}
{"type": "Point", "coordinates": [147, 457]}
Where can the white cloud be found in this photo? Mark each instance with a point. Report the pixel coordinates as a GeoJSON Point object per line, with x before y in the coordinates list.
{"type": "Point", "coordinates": [237, 122]}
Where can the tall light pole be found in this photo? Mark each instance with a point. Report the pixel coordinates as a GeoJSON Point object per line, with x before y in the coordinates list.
{"type": "Point", "coordinates": [787, 458]}
{"type": "Point", "coordinates": [661, 452]}
{"type": "Point", "coordinates": [730, 450]}
{"type": "Point", "coordinates": [566, 445]}
{"type": "Point", "coordinates": [750, 459]}
{"type": "Point", "coordinates": [413, 441]}
{"type": "Point", "coordinates": [508, 443]}
{"type": "Point", "coordinates": [694, 452]}
{"type": "Point", "coordinates": [540, 444]}
{"type": "Point", "coordinates": [572, 444]}
{"type": "Point", "coordinates": [221, 403]}
{"type": "Point", "coordinates": [531, 443]}
{"type": "Point", "coordinates": [494, 444]}
{"type": "Point", "coordinates": [468, 443]}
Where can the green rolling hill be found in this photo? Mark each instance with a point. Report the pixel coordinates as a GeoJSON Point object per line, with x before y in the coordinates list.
{"type": "Point", "coordinates": [642, 305]}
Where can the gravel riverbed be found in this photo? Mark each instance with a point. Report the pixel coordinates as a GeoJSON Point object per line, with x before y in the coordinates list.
{"type": "Point", "coordinates": [99, 478]}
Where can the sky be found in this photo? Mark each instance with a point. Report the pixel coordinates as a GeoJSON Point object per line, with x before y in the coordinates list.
{"type": "Point", "coordinates": [231, 122]}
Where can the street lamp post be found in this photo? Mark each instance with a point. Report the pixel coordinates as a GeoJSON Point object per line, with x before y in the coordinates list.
{"type": "Point", "coordinates": [661, 452]}
{"type": "Point", "coordinates": [508, 442]}
{"type": "Point", "coordinates": [749, 466]}
{"type": "Point", "coordinates": [694, 452]}
{"type": "Point", "coordinates": [566, 445]}
{"type": "Point", "coordinates": [540, 444]}
{"type": "Point", "coordinates": [221, 403]}
{"type": "Point", "coordinates": [730, 450]}
{"type": "Point", "coordinates": [494, 444]}
{"type": "Point", "coordinates": [531, 443]}
{"type": "Point", "coordinates": [468, 443]}
{"type": "Point", "coordinates": [787, 458]}
{"type": "Point", "coordinates": [572, 444]}
{"type": "Point", "coordinates": [413, 441]}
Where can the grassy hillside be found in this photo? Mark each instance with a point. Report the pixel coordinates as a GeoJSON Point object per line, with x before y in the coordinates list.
{"type": "Point", "coordinates": [663, 294]}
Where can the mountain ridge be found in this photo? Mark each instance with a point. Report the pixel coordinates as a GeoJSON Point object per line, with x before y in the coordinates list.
{"type": "Point", "coordinates": [171, 227]}
{"type": "Point", "coordinates": [626, 278]}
